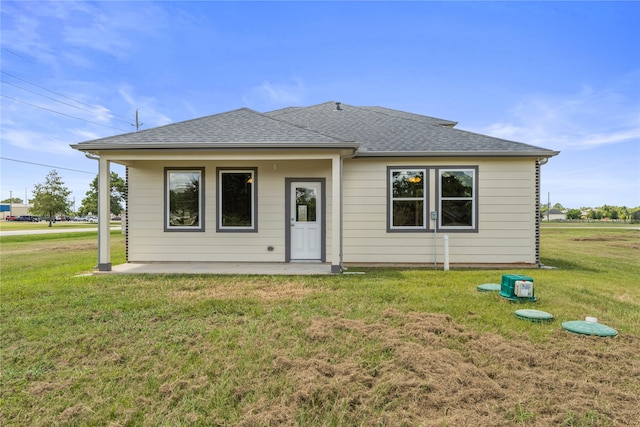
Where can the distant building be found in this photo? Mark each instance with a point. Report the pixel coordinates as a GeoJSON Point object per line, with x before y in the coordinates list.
{"type": "Point", "coordinates": [557, 215]}
{"type": "Point", "coordinates": [15, 209]}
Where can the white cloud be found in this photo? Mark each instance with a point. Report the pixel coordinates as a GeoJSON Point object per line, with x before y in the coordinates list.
{"type": "Point", "coordinates": [273, 95]}
{"type": "Point", "coordinates": [113, 29]}
{"type": "Point", "coordinates": [36, 141]}
{"type": "Point", "coordinates": [612, 138]}
{"type": "Point", "coordinates": [100, 37]}
{"type": "Point", "coordinates": [21, 33]}
{"type": "Point", "coordinates": [33, 29]}
{"type": "Point", "coordinates": [84, 135]}
{"type": "Point", "coordinates": [590, 118]}
{"type": "Point", "coordinates": [149, 114]}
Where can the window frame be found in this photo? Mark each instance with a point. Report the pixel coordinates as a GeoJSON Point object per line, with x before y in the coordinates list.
{"type": "Point", "coordinates": [254, 200]}
{"type": "Point", "coordinates": [201, 199]}
{"type": "Point", "coordinates": [473, 198]}
{"type": "Point", "coordinates": [425, 200]}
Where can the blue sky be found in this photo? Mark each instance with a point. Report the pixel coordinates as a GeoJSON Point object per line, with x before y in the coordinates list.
{"type": "Point", "coordinates": [559, 75]}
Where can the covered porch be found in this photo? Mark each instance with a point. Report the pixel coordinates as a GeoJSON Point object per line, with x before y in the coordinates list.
{"type": "Point", "coordinates": [275, 167]}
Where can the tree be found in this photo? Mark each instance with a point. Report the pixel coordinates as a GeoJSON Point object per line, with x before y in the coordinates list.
{"type": "Point", "coordinates": [51, 197]}
{"type": "Point", "coordinates": [594, 214]}
{"type": "Point", "coordinates": [574, 214]}
{"type": "Point", "coordinates": [558, 206]}
{"type": "Point", "coordinates": [14, 201]}
{"type": "Point", "coordinates": [118, 190]}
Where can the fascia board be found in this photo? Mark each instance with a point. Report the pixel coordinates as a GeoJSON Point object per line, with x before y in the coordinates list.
{"type": "Point", "coordinates": [217, 146]}
{"type": "Point", "coordinates": [541, 153]}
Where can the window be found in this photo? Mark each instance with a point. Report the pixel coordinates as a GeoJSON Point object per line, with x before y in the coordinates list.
{"type": "Point", "coordinates": [407, 199]}
{"type": "Point", "coordinates": [184, 190]}
{"type": "Point", "coordinates": [457, 198]}
{"type": "Point", "coordinates": [237, 200]}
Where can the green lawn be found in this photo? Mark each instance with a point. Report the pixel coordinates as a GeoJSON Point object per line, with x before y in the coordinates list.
{"type": "Point", "coordinates": [44, 225]}
{"type": "Point", "coordinates": [389, 347]}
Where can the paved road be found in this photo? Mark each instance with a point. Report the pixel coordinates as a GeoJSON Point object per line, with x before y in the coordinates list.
{"type": "Point", "coordinates": [51, 231]}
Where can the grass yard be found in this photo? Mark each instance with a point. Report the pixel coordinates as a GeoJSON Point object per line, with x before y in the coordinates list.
{"type": "Point", "coordinates": [44, 225]}
{"type": "Point", "coordinates": [390, 347]}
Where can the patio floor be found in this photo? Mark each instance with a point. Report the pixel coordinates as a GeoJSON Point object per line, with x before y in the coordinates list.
{"type": "Point", "coordinates": [251, 268]}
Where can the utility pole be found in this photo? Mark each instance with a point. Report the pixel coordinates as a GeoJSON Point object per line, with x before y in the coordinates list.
{"type": "Point", "coordinates": [10, 202]}
{"type": "Point", "coordinates": [138, 124]}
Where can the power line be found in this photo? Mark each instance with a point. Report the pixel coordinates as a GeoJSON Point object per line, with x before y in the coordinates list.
{"type": "Point", "coordinates": [56, 93]}
{"type": "Point", "coordinates": [49, 166]}
{"type": "Point", "coordinates": [19, 56]}
{"type": "Point", "coordinates": [62, 114]}
{"type": "Point", "coordinates": [62, 102]}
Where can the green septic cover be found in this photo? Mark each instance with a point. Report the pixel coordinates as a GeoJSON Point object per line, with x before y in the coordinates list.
{"type": "Point", "coordinates": [489, 287]}
{"type": "Point", "coordinates": [589, 328]}
{"type": "Point", "coordinates": [534, 315]}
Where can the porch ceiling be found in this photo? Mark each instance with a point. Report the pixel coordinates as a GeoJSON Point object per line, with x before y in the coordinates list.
{"type": "Point", "coordinates": [129, 156]}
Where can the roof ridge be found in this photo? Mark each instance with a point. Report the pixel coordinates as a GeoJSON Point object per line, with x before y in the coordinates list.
{"type": "Point", "coordinates": [368, 108]}
{"type": "Point", "coordinates": [306, 128]}
{"type": "Point", "coordinates": [285, 110]}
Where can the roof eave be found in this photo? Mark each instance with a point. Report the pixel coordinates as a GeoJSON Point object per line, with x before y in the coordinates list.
{"type": "Point", "coordinates": [216, 146]}
{"type": "Point", "coordinates": [534, 154]}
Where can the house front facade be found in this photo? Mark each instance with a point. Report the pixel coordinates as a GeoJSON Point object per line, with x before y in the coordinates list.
{"type": "Point", "coordinates": [330, 183]}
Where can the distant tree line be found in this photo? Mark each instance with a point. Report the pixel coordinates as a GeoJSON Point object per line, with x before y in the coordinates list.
{"type": "Point", "coordinates": [51, 198]}
{"type": "Point", "coordinates": [13, 200]}
{"type": "Point", "coordinates": [605, 212]}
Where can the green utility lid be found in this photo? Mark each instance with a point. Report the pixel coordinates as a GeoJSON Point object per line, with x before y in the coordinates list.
{"type": "Point", "coordinates": [488, 287]}
{"type": "Point", "coordinates": [589, 328]}
{"type": "Point", "coordinates": [534, 315]}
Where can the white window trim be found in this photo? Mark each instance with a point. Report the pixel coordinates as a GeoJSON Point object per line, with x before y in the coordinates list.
{"type": "Point", "coordinates": [424, 198]}
{"type": "Point", "coordinates": [473, 198]}
{"type": "Point", "coordinates": [254, 190]}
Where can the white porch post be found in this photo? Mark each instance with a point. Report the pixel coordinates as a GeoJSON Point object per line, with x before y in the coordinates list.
{"type": "Point", "coordinates": [336, 227]}
{"type": "Point", "coordinates": [104, 219]}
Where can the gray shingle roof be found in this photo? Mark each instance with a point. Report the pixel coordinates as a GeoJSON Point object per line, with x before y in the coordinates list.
{"type": "Point", "coordinates": [237, 126]}
{"type": "Point", "coordinates": [385, 131]}
{"type": "Point", "coordinates": [377, 131]}
{"type": "Point", "coordinates": [412, 116]}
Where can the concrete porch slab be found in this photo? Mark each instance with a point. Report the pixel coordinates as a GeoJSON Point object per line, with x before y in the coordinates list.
{"type": "Point", "coordinates": [250, 268]}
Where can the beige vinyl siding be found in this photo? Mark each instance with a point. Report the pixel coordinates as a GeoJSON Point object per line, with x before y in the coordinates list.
{"type": "Point", "coordinates": [149, 242]}
{"type": "Point", "coordinates": [505, 218]}
{"type": "Point", "coordinates": [506, 214]}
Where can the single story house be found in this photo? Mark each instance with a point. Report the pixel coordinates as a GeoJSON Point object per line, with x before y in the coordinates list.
{"type": "Point", "coordinates": [331, 183]}
{"type": "Point", "coordinates": [556, 215]}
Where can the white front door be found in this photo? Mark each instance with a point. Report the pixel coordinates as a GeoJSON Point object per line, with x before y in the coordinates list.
{"type": "Point", "coordinates": [306, 221]}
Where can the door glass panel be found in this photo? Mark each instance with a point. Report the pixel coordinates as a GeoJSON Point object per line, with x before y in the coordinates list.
{"type": "Point", "coordinates": [305, 204]}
